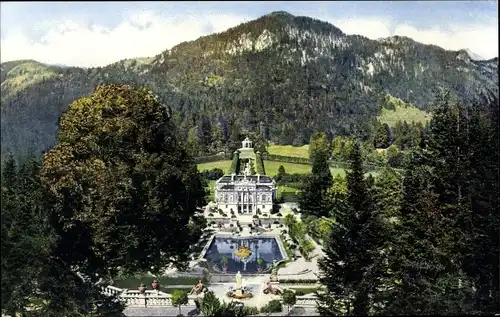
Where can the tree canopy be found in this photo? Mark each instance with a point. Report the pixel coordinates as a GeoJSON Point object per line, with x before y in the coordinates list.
{"type": "Point", "coordinates": [121, 184]}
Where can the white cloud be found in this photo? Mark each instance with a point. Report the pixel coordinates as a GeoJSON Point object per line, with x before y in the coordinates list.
{"type": "Point", "coordinates": [480, 38]}
{"type": "Point", "coordinates": [80, 44]}
{"type": "Point", "coordinates": [371, 28]}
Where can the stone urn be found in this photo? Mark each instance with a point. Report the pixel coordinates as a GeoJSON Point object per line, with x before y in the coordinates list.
{"type": "Point", "coordinates": [142, 288]}
{"type": "Point", "coordinates": [155, 285]}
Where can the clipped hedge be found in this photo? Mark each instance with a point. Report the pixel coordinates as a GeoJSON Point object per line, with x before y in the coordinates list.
{"type": "Point", "coordinates": [213, 174]}
{"type": "Point", "coordinates": [295, 178]}
{"type": "Point", "coordinates": [287, 159]}
{"type": "Point", "coordinates": [235, 164]}
{"type": "Point", "coordinates": [302, 160]}
{"type": "Point", "coordinates": [210, 158]}
{"type": "Point", "coordinates": [292, 281]}
{"type": "Point", "coordinates": [259, 162]}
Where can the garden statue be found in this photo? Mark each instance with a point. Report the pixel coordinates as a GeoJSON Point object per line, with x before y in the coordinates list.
{"type": "Point", "coordinates": [239, 291]}
{"type": "Point", "coordinates": [142, 288]}
{"type": "Point", "coordinates": [269, 289]}
{"type": "Point", "coordinates": [198, 288]}
{"type": "Point", "coordinates": [238, 283]}
{"type": "Point", "coordinates": [274, 274]}
{"type": "Point", "coordinates": [156, 285]}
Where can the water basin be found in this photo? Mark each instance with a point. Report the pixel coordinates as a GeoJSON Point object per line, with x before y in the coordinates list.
{"type": "Point", "coordinates": [228, 254]}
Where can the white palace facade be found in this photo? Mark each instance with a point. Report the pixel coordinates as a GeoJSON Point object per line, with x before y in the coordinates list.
{"type": "Point", "coordinates": [246, 192]}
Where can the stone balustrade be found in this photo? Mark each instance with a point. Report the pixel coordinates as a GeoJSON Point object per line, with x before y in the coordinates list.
{"type": "Point", "coordinates": [111, 290]}
{"type": "Point", "coordinates": [308, 300]}
{"type": "Point", "coordinates": [152, 298]}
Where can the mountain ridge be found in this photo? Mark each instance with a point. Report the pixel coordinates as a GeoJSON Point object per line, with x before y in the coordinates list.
{"type": "Point", "coordinates": [281, 75]}
{"type": "Point", "coordinates": [287, 17]}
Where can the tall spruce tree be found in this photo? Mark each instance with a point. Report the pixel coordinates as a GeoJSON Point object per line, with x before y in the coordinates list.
{"type": "Point", "coordinates": [464, 144]}
{"type": "Point", "coordinates": [388, 194]}
{"type": "Point", "coordinates": [482, 233]}
{"type": "Point", "coordinates": [314, 199]}
{"type": "Point", "coordinates": [352, 265]}
{"type": "Point", "coordinates": [27, 238]}
{"type": "Point", "coordinates": [424, 277]}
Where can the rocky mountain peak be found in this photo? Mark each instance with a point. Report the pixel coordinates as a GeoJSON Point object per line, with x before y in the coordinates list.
{"type": "Point", "coordinates": [473, 55]}
{"type": "Point", "coordinates": [279, 71]}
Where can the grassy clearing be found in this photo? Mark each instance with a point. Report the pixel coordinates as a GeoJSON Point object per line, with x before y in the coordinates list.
{"type": "Point", "coordinates": [403, 113]}
{"type": "Point", "coordinates": [289, 150]}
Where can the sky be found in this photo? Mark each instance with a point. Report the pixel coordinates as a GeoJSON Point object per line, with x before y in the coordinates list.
{"type": "Point", "coordinates": [90, 34]}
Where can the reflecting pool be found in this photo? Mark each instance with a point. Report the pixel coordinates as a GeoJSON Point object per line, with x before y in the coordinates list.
{"type": "Point", "coordinates": [246, 254]}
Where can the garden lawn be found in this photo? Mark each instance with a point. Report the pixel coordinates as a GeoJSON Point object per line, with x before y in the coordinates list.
{"type": "Point", "coordinates": [270, 166]}
{"type": "Point", "coordinates": [289, 150]}
{"type": "Point", "coordinates": [223, 165]}
{"type": "Point", "coordinates": [293, 168]}
{"type": "Point", "coordinates": [290, 168]}
{"type": "Point", "coordinates": [288, 193]}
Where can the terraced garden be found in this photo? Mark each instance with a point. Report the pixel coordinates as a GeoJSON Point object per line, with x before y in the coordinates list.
{"type": "Point", "coordinates": [271, 167]}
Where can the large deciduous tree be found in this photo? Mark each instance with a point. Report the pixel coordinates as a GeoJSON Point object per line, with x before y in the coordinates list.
{"type": "Point", "coordinates": [122, 189]}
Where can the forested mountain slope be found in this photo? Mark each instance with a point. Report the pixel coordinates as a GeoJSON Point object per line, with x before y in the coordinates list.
{"type": "Point", "coordinates": [280, 75]}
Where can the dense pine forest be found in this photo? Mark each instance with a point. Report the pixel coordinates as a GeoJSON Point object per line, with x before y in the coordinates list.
{"type": "Point", "coordinates": [421, 242]}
